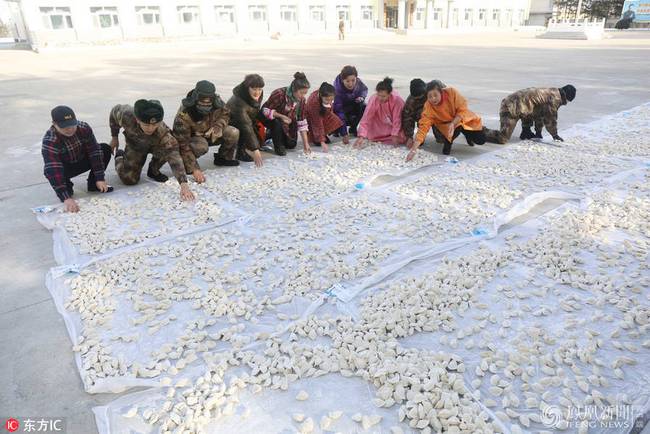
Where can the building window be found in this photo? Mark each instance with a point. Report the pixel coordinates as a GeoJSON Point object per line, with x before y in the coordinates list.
{"type": "Point", "coordinates": [56, 18]}
{"type": "Point", "coordinates": [288, 13]}
{"type": "Point", "coordinates": [225, 14]}
{"type": "Point", "coordinates": [495, 14]}
{"type": "Point", "coordinates": [105, 17]}
{"type": "Point", "coordinates": [257, 13]}
{"type": "Point", "coordinates": [187, 14]}
{"type": "Point", "coordinates": [481, 14]}
{"type": "Point", "coordinates": [437, 13]}
{"type": "Point", "coordinates": [317, 13]}
{"type": "Point", "coordinates": [148, 15]}
{"type": "Point", "coordinates": [366, 13]}
{"type": "Point", "coordinates": [419, 14]}
{"type": "Point", "coordinates": [343, 12]}
{"type": "Point", "coordinates": [468, 14]}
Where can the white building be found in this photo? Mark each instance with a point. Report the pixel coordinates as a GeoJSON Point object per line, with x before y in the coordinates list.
{"type": "Point", "coordinates": [453, 14]}
{"type": "Point", "coordinates": [541, 11]}
{"type": "Point", "coordinates": [54, 22]}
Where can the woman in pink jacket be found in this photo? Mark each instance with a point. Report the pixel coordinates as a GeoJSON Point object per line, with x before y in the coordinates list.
{"type": "Point", "coordinates": [382, 121]}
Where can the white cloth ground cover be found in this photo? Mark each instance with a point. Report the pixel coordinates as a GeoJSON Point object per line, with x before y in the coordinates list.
{"type": "Point", "coordinates": [207, 300]}
{"type": "Point", "coordinates": [523, 332]}
{"type": "Point", "coordinates": [630, 128]}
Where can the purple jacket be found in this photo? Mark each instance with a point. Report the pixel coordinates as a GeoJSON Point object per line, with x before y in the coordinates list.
{"type": "Point", "coordinates": [346, 98]}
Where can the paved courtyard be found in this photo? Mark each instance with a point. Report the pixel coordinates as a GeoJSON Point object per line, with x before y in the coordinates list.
{"type": "Point", "coordinates": [37, 372]}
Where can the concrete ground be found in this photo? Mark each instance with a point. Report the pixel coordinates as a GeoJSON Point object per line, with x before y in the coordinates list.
{"type": "Point", "coordinates": [37, 372]}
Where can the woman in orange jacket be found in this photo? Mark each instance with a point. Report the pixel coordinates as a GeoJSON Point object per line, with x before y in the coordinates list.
{"type": "Point", "coordinates": [446, 110]}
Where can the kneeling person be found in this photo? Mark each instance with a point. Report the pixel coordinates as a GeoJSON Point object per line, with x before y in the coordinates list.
{"type": "Point", "coordinates": [70, 149]}
{"type": "Point", "coordinates": [531, 105]}
{"type": "Point", "coordinates": [146, 133]}
{"type": "Point", "coordinates": [201, 122]}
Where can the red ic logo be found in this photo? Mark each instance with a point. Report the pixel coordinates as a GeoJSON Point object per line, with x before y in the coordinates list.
{"type": "Point", "coordinates": [12, 425]}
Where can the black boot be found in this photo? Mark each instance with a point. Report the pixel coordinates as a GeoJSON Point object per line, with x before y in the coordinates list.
{"type": "Point", "coordinates": [158, 177]}
{"type": "Point", "coordinates": [69, 186]}
{"type": "Point", "coordinates": [220, 161]}
{"type": "Point", "coordinates": [526, 134]}
{"type": "Point", "coordinates": [92, 187]}
{"type": "Point", "coordinates": [279, 149]}
{"type": "Point", "coordinates": [242, 155]}
{"type": "Point", "coordinates": [538, 134]}
{"type": "Point", "coordinates": [446, 150]}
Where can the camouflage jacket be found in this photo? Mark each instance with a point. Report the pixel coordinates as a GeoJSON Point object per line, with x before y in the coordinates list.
{"type": "Point", "coordinates": [535, 103]}
{"type": "Point", "coordinates": [161, 143]}
{"type": "Point", "coordinates": [210, 127]}
{"type": "Point", "coordinates": [411, 114]}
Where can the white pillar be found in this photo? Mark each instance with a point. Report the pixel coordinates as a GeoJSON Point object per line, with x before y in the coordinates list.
{"type": "Point", "coordinates": [380, 14]}
{"type": "Point", "coordinates": [401, 14]}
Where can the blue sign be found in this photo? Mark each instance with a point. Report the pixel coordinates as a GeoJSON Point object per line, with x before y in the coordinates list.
{"type": "Point", "coordinates": [638, 11]}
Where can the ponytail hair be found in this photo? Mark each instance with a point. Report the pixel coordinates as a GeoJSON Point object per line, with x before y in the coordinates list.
{"type": "Point", "coordinates": [299, 81]}
{"type": "Point", "coordinates": [325, 89]}
{"type": "Point", "coordinates": [386, 85]}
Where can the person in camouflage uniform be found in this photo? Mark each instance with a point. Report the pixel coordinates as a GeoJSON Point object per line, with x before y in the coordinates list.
{"type": "Point", "coordinates": [146, 133]}
{"type": "Point", "coordinates": [533, 105]}
{"type": "Point", "coordinates": [201, 122]}
{"type": "Point", "coordinates": [412, 110]}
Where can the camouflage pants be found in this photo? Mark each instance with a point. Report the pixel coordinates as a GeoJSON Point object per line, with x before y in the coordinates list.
{"type": "Point", "coordinates": [130, 166]}
{"type": "Point", "coordinates": [508, 125]}
{"type": "Point", "coordinates": [227, 144]}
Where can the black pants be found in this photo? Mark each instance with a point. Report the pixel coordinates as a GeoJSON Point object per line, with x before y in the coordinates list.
{"type": "Point", "coordinates": [73, 169]}
{"type": "Point", "coordinates": [472, 137]}
{"type": "Point", "coordinates": [353, 115]}
{"type": "Point", "coordinates": [280, 139]}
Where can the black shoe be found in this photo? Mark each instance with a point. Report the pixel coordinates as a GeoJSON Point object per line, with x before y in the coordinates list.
{"type": "Point", "coordinates": [93, 187]}
{"type": "Point", "coordinates": [119, 153]}
{"type": "Point", "coordinates": [69, 186]}
{"type": "Point", "coordinates": [469, 141]}
{"type": "Point", "coordinates": [243, 156]}
{"type": "Point", "coordinates": [291, 144]}
{"type": "Point", "coordinates": [280, 150]}
{"type": "Point", "coordinates": [327, 140]}
{"type": "Point", "coordinates": [158, 177]}
{"type": "Point", "coordinates": [315, 144]}
{"type": "Point", "coordinates": [526, 134]}
{"type": "Point", "coordinates": [446, 150]}
{"type": "Point", "coordinates": [538, 135]}
{"type": "Point", "coordinates": [219, 161]}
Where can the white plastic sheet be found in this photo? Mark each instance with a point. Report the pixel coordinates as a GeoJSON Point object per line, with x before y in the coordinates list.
{"type": "Point", "coordinates": [296, 218]}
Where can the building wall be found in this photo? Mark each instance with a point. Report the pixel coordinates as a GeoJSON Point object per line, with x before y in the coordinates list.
{"type": "Point", "coordinates": [540, 12]}
{"type": "Point", "coordinates": [443, 14]}
{"type": "Point", "coordinates": [70, 21]}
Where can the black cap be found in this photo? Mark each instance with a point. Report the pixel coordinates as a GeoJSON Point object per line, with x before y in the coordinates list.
{"type": "Point", "coordinates": [148, 111]}
{"type": "Point", "coordinates": [204, 88]}
{"type": "Point", "coordinates": [64, 117]}
{"type": "Point", "coordinates": [569, 92]}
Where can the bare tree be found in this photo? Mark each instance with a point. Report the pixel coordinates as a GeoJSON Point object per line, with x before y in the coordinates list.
{"type": "Point", "coordinates": [4, 30]}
